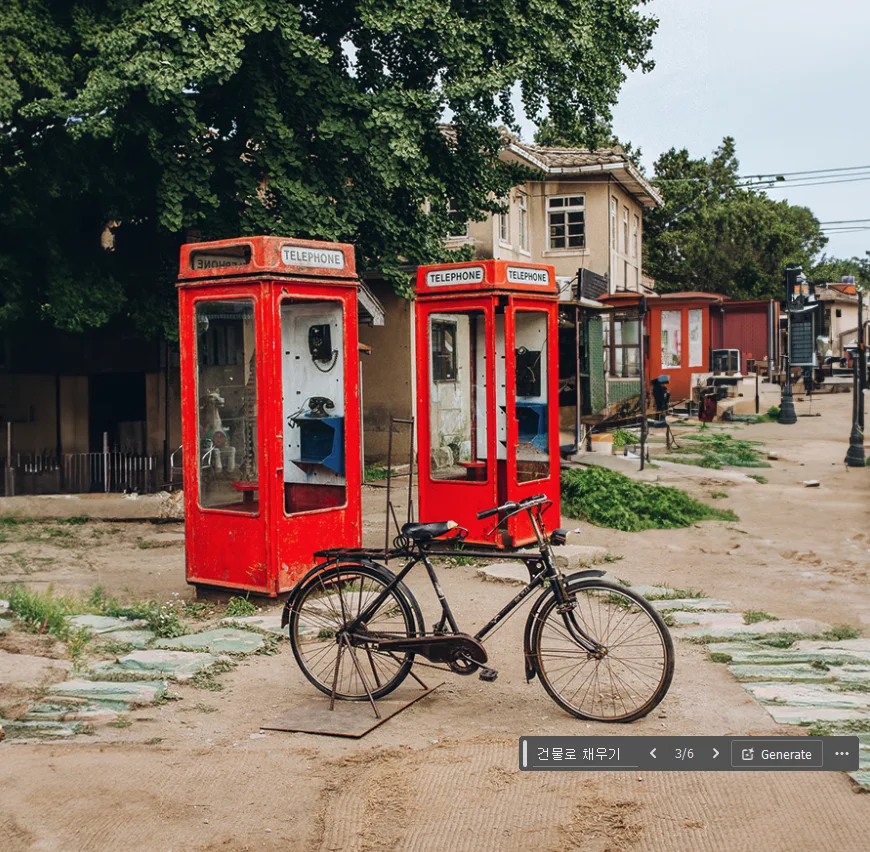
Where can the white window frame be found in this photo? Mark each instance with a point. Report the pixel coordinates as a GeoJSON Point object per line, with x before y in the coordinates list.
{"type": "Point", "coordinates": [451, 209]}
{"type": "Point", "coordinates": [625, 248]}
{"type": "Point", "coordinates": [635, 236]}
{"type": "Point", "coordinates": [504, 224]}
{"type": "Point", "coordinates": [564, 208]}
{"type": "Point", "coordinates": [523, 205]}
{"type": "Point", "coordinates": [614, 208]}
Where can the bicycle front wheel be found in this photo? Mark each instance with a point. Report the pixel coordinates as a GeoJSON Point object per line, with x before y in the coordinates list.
{"type": "Point", "coordinates": [634, 673]}
{"type": "Point", "coordinates": [326, 603]}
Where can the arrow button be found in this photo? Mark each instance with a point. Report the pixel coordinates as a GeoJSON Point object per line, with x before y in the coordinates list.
{"type": "Point", "coordinates": [653, 753]}
{"type": "Point", "coordinates": [715, 753]}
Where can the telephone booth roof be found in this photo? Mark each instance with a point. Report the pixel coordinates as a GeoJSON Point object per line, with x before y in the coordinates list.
{"type": "Point", "coordinates": [487, 276]}
{"type": "Point", "coordinates": [265, 257]}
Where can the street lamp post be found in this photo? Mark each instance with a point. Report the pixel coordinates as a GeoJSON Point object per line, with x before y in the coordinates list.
{"type": "Point", "coordinates": [787, 414]}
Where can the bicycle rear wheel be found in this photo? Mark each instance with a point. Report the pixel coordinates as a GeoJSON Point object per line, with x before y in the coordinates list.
{"type": "Point", "coordinates": [634, 674]}
{"type": "Point", "coordinates": [326, 603]}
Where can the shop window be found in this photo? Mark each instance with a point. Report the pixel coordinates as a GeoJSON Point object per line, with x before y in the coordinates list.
{"type": "Point", "coordinates": [566, 222]}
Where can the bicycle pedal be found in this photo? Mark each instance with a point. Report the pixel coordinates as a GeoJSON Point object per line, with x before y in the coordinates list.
{"type": "Point", "coordinates": [488, 675]}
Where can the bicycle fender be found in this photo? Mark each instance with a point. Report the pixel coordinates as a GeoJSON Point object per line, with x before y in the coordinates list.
{"type": "Point", "coordinates": [323, 566]}
{"type": "Point", "coordinates": [528, 656]}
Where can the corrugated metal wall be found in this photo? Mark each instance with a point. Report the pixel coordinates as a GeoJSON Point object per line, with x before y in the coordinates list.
{"type": "Point", "coordinates": [743, 327]}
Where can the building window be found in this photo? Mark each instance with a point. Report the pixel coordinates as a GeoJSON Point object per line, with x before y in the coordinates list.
{"type": "Point", "coordinates": [635, 238]}
{"type": "Point", "coordinates": [459, 224]}
{"type": "Point", "coordinates": [672, 339]}
{"type": "Point", "coordinates": [524, 222]}
{"type": "Point", "coordinates": [566, 222]}
{"type": "Point", "coordinates": [614, 206]}
{"type": "Point", "coordinates": [839, 312]}
{"type": "Point", "coordinates": [625, 274]}
{"type": "Point", "coordinates": [443, 351]}
{"type": "Point", "coordinates": [625, 233]}
{"type": "Point", "coordinates": [621, 346]}
{"type": "Point", "coordinates": [504, 223]}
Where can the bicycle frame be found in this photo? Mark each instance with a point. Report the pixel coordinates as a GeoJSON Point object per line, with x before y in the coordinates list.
{"type": "Point", "coordinates": [548, 572]}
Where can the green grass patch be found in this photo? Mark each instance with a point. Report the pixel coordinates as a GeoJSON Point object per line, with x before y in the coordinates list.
{"type": "Point", "coordinates": [41, 611]}
{"type": "Point", "coordinates": [675, 595]}
{"type": "Point", "coordinates": [718, 657]}
{"type": "Point", "coordinates": [761, 480]}
{"type": "Point", "coordinates": [753, 616]}
{"type": "Point", "coordinates": [375, 472]}
{"type": "Point", "coordinates": [163, 619]}
{"type": "Point", "coordinates": [610, 499]}
{"type": "Point", "coordinates": [717, 450]}
{"type": "Point", "coordinates": [623, 437]}
{"type": "Point", "coordinates": [841, 632]}
{"type": "Point", "coordinates": [839, 729]}
{"type": "Point", "coordinates": [239, 607]}
{"type": "Point", "coordinates": [719, 495]}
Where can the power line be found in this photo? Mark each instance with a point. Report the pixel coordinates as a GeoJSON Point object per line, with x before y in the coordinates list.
{"type": "Point", "coordinates": [810, 172]}
{"type": "Point", "coordinates": [843, 221]}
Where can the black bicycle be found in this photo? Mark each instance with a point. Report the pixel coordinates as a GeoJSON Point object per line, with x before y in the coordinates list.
{"type": "Point", "coordinates": [599, 649]}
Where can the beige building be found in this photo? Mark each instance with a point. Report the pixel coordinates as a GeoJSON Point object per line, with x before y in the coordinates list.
{"type": "Point", "coordinates": [840, 310]}
{"type": "Point", "coordinates": [586, 212]}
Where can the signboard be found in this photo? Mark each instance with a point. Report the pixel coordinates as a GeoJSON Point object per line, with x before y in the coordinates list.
{"type": "Point", "coordinates": [210, 260]}
{"type": "Point", "coordinates": [524, 275]}
{"type": "Point", "coordinates": [457, 275]}
{"type": "Point", "coordinates": [802, 341]}
{"type": "Point", "coordinates": [314, 257]}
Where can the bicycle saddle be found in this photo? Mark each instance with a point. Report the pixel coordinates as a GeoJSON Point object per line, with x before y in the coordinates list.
{"type": "Point", "coordinates": [426, 532]}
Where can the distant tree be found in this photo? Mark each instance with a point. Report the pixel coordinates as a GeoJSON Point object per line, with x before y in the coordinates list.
{"type": "Point", "coordinates": [832, 269]}
{"type": "Point", "coordinates": [714, 234]}
{"type": "Point", "coordinates": [125, 125]}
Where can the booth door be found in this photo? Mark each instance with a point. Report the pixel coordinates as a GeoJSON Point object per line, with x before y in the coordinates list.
{"type": "Point", "coordinates": [532, 409]}
{"type": "Point", "coordinates": [221, 335]}
{"type": "Point", "coordinates": [316, 498]}
{"type": "Point", "coordinates": [456, 404]}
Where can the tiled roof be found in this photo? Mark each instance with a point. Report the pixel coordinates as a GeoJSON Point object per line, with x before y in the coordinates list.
{"type": "Point", "coordinates": [573, 157]}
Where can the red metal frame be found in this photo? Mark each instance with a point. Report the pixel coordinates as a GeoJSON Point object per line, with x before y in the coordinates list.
{"type": "Point", "coordinates": [441, 499]}
{"type": "Point", "coordinates": [266, 551]}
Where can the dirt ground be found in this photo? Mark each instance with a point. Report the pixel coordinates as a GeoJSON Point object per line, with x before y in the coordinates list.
{"type": "Point", "coordinates": [198, 774]}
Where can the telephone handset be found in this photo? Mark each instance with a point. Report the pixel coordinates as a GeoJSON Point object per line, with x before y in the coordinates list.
{"type": "Point", "coordinates": [318, 406]}
{"type": "Point", "coordinates": [320, 347]}
{"type": "Point", "coordinates": [528, 372]}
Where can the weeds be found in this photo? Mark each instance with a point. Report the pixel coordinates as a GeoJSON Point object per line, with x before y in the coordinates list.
{"type": "Point", "coordinates": [239, 607]}
{"type": "Point", "coordinates": [374, 472]}
{"type": "Point", "coordinates": [610, 499]}
{"type": "Point", "coordinates": [753, 616]}
{"type": "Point", "coordinates": [623, 437]}
{"type": "Point", "coordinates": [761, 480]}
{"type": "Point", "coordinates": [717, 451]}
{"type": "Point", "coordinates": [77, 647]}
{"type": "Point", "coordinates": [718, 495]}
{"type": "Point", "coordinates": [675, 595]}
{"type": "Point", "coordinates": [42, 613]}
{"type": "Point", "coordinates": [719, 657]}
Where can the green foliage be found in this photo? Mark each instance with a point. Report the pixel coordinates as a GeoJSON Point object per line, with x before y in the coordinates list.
{"type": "Point", "coordinates": [715, 234]}
{"type": "Point", "coordinates": [718, 495]}
{"type": "Point", "coordinates": [761, 480]}
{"type": "Point", "coordinates": [610, 499]}
{"type": "Point", "coordinates": [773, 412]}
{"type": "Point", "coordinates": [623, 437]}
{"type": "Point", "coordinates": [41, 611]}
{"type": "Point", "coordinates": [374, 472]}
{"type": "Point", "coordinates": [718, 450]}
{"type": "Point", "coordinates": [675, 595]}
{"type": "Point", "coordinates": [126, 128]}
{"type": "Point", "coordinates": [239, 607]}
{"type": "Point", "coordinates": [753, 616]}
{"type": "Point", "coordinates": [718, 657]}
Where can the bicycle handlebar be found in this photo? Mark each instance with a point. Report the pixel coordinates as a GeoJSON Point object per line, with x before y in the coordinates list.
{"type": "Point", "coordinates": [512, 506]}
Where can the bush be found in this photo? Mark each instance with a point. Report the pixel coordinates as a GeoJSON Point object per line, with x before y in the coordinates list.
{"type": "Point", "coordinates": [610, 499]}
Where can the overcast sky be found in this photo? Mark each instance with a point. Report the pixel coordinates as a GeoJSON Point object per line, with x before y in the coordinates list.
{"type": "Point", "coordinates": [788, 79]}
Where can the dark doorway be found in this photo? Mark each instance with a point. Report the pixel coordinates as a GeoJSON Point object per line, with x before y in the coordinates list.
{"type": "Point", "coordinates": [116, 406]}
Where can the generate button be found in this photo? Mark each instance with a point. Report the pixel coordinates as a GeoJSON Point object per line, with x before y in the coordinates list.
{"type": "Point", "coordinates": [777, 754]}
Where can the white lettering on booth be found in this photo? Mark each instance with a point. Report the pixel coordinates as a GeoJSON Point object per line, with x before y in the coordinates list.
{"type": "Point", "coordinates": [215, 261]}
{"type": "Point", "coordinates": [321, 258]}
{"type": "Point", "coordinates": [523, 275]}
{"type": "Point", "coordinates": [463, 275]}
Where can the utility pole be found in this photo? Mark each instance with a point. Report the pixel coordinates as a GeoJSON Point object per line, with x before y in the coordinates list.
{"type": "Point", "coordinates": [644, 424]}
{"type": "Point", "coordinates": [855, 454]}
{"type": "Point", "coordinates": [787, 414]}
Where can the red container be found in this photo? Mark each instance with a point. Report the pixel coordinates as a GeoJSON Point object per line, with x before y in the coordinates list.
{"type": "Point", "coordinates": [487, 393]}
{"type": "Point", "coordinates": [270, 408]}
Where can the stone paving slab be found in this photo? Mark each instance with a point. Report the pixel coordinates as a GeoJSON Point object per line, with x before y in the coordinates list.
{"type": "Point", "coordinates": [807, 695]}
{"type": "Point", "coordinates": [787, 715]}
{"type": "Point", "coordinates": [40, 729]}
{"type": "Point", "coordinates": [797, 673]}
{"type": "Point", "coordinates": [573, 556]}
{"type": "Point", "coordinates": [861, 777]}
{"type": "Point", "coordinates": [222, 640]}
{"type": "Point", "coordinates": [5, 625]}
{"type": "Point", "coordinates": [511, 573]}
{"type": "Point", "coordinates": [753, 653]}
{"type": "Point", "coordinates": [689, 604]}
{"type": "Point", "coordinates": [656, 591]}
{"type": "Point", "coordinates": [762, 628]}
{"type": "Point", "coordinates": [146, 665]}
{"type": "Point", "coordinates": [103, 623]}
{"type": "Point", "coordinates": [855, 648]}
{"type": "Point", "coordinates": [268, 622]}
{"type": "Point", "coordinates": [851, 674]}
{"type": "Point", "coordinates": [68, 711]}
{"type": "Point", "coordinates": [112, 693]}
{"type": "Point", "coordinates": [718, 620]}
{"type": "Point", "coordinates": [136, 638]}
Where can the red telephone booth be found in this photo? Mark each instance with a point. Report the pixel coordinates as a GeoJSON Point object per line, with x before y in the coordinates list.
{"type": "Point", "coordinates": [270, 408]}
{"type": "Point", "coordinates": [487, 393]}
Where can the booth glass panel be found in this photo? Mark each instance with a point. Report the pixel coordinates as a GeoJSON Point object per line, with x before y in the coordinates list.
{"type": "Point", "coordinates": [226, 386]}
{"type": "Point", "coordinates": [313, 393]}
{"type": "Point", "coordinates": [532, 396]}
{"type": "Point", "coordinates": [457, 396]}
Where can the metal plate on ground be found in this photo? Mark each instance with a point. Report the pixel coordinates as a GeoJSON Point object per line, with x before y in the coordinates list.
{"type": "Point", "coordinates": [352, 719]}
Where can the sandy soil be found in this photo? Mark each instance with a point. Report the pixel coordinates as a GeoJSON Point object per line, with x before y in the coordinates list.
{"type": "Point", "coordinates": [197, 773]}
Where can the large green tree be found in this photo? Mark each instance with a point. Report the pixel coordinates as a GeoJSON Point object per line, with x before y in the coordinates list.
{"type": "Point", "coordinates": [125, 123]}
{"type": "Point", "coordinates": [716, 234]}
